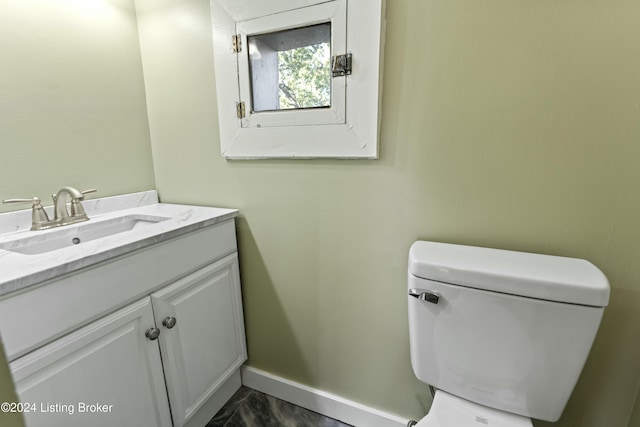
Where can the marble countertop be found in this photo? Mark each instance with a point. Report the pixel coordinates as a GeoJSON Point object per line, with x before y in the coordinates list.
{"type": "Point", "coordinates": [19, 271]}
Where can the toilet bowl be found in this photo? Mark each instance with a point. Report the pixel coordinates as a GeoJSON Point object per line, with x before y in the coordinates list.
{"type": "Point", "coordinates": [501, 335]}
{"type": "Point", "coordinates": [448, 410]}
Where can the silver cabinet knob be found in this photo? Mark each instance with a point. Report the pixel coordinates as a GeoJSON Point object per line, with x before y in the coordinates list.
{"type": "Point", "coordinates": [169, 322]}
{"type": "Point", "coordinates": [152, 333]}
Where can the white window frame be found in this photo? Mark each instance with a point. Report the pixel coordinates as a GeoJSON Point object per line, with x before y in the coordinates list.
{"type": "Point", "coordinates": [349, 131]}
{"type": "Point", "coordinates": [334, 12]}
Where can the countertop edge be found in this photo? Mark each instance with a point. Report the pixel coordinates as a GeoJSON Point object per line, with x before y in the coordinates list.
{"type": "Point", "coordinates": [23, 283]}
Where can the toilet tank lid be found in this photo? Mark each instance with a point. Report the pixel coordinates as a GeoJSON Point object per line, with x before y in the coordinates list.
{"type": "Point", "coordinates": [546, 277]}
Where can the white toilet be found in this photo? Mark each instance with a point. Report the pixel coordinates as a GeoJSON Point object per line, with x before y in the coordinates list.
{"type": "Point", "coordinates": [501, 335]}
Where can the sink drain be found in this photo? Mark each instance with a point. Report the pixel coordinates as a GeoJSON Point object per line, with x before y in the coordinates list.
{"type": "Point", "coordinates": [75, 240]}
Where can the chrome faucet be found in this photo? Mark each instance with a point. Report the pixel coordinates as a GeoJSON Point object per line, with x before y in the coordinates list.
{"type": "Point", "coordinates": [62, 216]}
{"type": "Point", "coordinates": [77, 214]}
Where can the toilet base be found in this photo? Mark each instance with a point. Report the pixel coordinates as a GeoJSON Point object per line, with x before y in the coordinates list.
{"type": "Point", "coordinates": [448, 410]}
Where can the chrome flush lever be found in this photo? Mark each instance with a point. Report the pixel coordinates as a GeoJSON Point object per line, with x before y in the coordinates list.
{"type": "Point", "coordinates": [421, 294]}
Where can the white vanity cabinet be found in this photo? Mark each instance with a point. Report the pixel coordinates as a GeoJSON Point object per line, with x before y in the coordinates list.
{"type": "Point", "coordinates": [202, 334]}
{"type": "Point", "coordinates": [155, 337]}
{"type": "Point", "coordinates": [108, 364]}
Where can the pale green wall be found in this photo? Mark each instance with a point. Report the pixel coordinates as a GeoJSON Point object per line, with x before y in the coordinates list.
{"type": "Point", "coordinates": [72, 103]}
{"type": "Point", "coordinates": [510, 124]}
{"type": "Point", "coordinates": [635, 417]}
{"type": "Point", "coordinates": [506, 123]}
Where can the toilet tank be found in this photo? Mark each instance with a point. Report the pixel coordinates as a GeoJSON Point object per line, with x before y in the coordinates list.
{"type": "Point", "coordinates": [509, 330]}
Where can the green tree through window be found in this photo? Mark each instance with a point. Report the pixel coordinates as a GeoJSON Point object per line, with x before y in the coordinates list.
{"type": "Point", "coordinates": [305, 77]}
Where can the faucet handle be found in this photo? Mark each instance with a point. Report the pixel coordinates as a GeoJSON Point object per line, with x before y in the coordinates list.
{"type": "Point", "coordinates": [35, 201]}
{"type": "Point", "coordinates": [91, 190]}
{"type": "Point", "coordinates": [39, 218]}
{"type": "Point", "coordinates": [77, 211]}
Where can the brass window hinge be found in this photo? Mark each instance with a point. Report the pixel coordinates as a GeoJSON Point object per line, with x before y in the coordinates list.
{"type": "Point", "coordinates": [240, 110]}
{"type": "Point", "coordinates": [236, 43]}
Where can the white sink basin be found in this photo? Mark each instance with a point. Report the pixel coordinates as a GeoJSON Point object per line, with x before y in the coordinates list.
{"type": "Point", "coordinates": [39, 242]}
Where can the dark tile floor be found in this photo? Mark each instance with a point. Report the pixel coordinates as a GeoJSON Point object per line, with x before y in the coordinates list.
{"type": "Point", "coordinates": [251, 408]}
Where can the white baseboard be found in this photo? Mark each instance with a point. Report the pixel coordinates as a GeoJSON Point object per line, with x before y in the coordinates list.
{"type": "Point", "coordinates": [319, 401]}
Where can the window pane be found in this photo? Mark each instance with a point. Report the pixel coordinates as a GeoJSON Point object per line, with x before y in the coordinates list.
{"type": "Point", "coordinates": [291, 69]}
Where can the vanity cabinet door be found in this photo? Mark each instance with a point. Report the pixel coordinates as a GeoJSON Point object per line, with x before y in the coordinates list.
{"type": "Point", "coordinates": [202, 339]}
{"type": "Point", "coordinates": [102, 375]}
